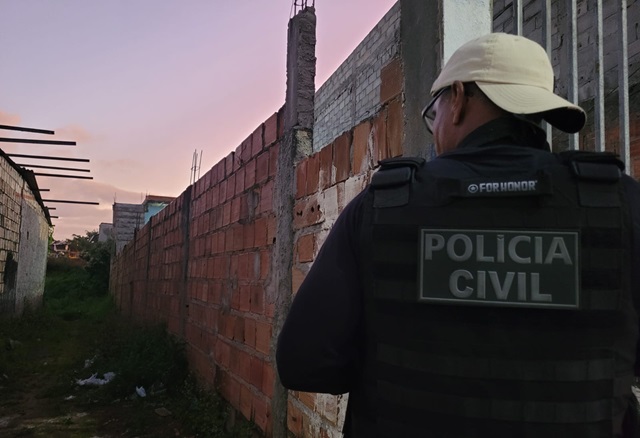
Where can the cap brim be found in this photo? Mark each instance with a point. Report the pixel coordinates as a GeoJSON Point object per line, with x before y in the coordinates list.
{"type": "Point", "coordinates": [525, 99]}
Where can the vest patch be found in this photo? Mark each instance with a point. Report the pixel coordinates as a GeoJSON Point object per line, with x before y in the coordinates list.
{"type": "Point", "coordinates": [538, 185]}
{"type": "Point", "coordinates": [501, 268]}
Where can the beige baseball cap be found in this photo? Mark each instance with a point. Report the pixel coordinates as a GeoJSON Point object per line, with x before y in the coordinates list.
{"type": "Point", "coordinates": [515, 73]}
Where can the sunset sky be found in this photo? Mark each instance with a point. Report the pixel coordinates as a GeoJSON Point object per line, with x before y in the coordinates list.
{"type": "Point", "coordinates": [140, 85]}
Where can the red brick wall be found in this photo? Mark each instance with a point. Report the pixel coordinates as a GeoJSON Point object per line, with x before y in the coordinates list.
{"type": "Point", "coordinates": [202, 266]}
{"type": "Point", "coordinates": [325, 183]}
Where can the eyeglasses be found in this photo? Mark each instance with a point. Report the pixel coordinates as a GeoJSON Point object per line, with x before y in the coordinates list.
{"type": "Point", "coordinates": [427, 113]}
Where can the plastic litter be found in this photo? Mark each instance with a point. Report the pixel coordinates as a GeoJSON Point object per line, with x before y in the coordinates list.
{"type": "Point", "coordinates": [94, 380]}
{"type": "Point", "coordinates": [140, 391]}
{"type": "Point", "coordinates": [89, 362]}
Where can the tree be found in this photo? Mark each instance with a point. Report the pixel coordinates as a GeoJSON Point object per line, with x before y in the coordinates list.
{"type": "Point", "coordinates": [98, 257]}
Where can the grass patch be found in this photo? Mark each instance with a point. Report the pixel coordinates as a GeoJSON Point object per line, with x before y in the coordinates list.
{"type": "Point", "coordinates": [78, 332]}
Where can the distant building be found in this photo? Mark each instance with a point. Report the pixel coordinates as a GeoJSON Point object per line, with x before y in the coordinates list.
{"type": "Point", "coordinates": [105, 232]}
{"type": "Point", "coordinates": [127, 218]}
{"type": "Point", "coordinates": [154, 204]}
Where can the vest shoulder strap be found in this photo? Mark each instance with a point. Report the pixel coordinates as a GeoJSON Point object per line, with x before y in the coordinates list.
{"type": "Point", "coordinates": [392, 182]}
{"type": "Point", "coordinates": [598, 175]}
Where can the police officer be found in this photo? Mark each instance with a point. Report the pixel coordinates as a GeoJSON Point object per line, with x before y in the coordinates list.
{"type": "Point", "coordinates": [488, 292]}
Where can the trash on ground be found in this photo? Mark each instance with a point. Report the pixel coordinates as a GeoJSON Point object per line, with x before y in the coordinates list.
{"type": "Point", "coordinates": [89, 362]}
{"type": "Point", "coordinates": [94, 380]}
{"type": "Point", "coordinates": [140, 391]}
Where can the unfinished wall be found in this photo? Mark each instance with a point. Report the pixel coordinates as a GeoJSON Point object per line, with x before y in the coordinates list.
{"type": "Point", "coordinates": [32, 250]}
{"type": "Point", "coordinates": [352, 93]}
{"type": "Point", "coordinates": [127, 218]}
{"type": "Point", "coordinates": [24, 231]}
{"type": "Point", "coordinates": [202, 265]}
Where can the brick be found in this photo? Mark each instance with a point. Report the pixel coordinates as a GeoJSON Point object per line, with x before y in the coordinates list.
{"type": "Point", "coordinates": [250, 178]}
{"type": "Point", "coordinates": [260, 232]}
{"type": "Point", "coordinates": [326, 166]}
{"type": "Point", "coordinates": [228, 164]}
{"type": "Point", "coordinates": [301, 179]}
{"type": "Point", "coordinates": [244, 268]}
{"type": "Point", "coordinates": [341, 158]}
{"type": "Point", "coordinates": [244, 365]}
{"type": "Point", "coordinates": [391, 79]}
{"type": "Point", "coordinates": [295, 419]}
{"type": "Point", "coordinates": [305, 248]}
{"type": "Point", "coordinates": [219, 171]}
{"type": "Point", "coordinates": [250, 332]}
{"type": "Point", "coordinates": [257, 141]}
{"type": "Point", "coordinates": [263, 337]}
{"type": "Point", "coordinates": [257, 299]}
{"type": "Point", "coordinates": [266, 197]}
{"type": "Point", "coordinates": [255, 377]}
{"type": "Point", "coordinates": [240, 181]}
{"type": "Point", "coordinates": [228, 239]}
{"type": "Point", "coordinates": [245, 401]}
{"type": "Point", "coordinates": [248, 236]}
{"type": "Point", "coordinates": [226, 214]}
{"type": "Point", "coordinates": [228, 326]}
{"type": "Point", "coordinates": [307, 212]}
{"type": "Point", "coordinates": [271, 229]}
{"type": "Point", "coordinates": [271, 129]}
{"type": "Point", "coordinates": [307, 398]}
{"type": "Point", "coordinates": [395, 123]}
{"type": "Point", "coordinates": [238, 329]}
{"type": "Point", "coordinates": [244, 298]}
{"type": "Point", "coordinates": [235, 299]}
{"type": "Point", "coordinates": [262, 167]}
{"type": "Point", "coordinates": [235, 210]}
{"type": "Point", "coordinates": [265, 264]}
{"type": "Point", "coordinates": [230, 388]}
{"type": "Point", "coordinates": [231, 186]}
{"type": "Point", "coordinates": [361, 158]}
{"type": "Point", "coordinates": [380, 144]}
{"type": "Point", "coordinates": [313, 174]}
{"type": "Point", "coordinates": [222, 353]}
{"type": "Point", "coordinates": [238, 238]}
{"type": "Point", "coordinates": [222, 196]}
{"type": "Point", "coordinates": [261, 414]}
{"type": "Point", "coordinates": [268, 379]}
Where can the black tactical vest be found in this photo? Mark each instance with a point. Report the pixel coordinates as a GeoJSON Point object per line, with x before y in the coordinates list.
{"type": "Point", "coordinates": [497, 298]}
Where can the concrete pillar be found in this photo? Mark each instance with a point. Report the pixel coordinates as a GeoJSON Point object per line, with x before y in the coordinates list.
{"type": "Point", "coordinates": [430, 33]}
{"type": "Point", "coordinates": [296, 144]}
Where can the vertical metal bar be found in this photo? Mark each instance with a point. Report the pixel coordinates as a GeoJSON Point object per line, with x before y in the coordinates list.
{"type": "Point", "coordinates": [599, 129]}
{"type": "Point", "coordinates": [573, 64]}
{"type": "Point", "coordinates": [623, 87]}
{"type": "Point", "coordinates": [546, 41]}
{"type": "Point", "coordinates": [517, 16]}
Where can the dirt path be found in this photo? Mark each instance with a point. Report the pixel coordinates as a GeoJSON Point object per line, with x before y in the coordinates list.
{"type": "Point", "coordinates": [39, 397]}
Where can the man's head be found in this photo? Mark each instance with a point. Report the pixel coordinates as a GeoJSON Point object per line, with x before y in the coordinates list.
{"type": "Point", "coordinates": [495, 75]}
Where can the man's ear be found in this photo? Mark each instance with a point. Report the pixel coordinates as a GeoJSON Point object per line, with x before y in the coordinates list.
{"type": "Point", "coordinates": [458, 101]}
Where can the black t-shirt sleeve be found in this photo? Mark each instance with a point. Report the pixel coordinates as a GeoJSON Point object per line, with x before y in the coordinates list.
{"type": "Point", "coordinates": [318, 347]}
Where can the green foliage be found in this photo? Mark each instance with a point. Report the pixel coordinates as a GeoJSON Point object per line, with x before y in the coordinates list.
{"type": "Point", "coordinates": [70, 291]}
{"type": "Point", "coordinates": [206, 415]}
{"type": "Point", "coordinates": [78, 323]}
{"type": "Point", "coordinates": [97, 256]}
{"type": "Point", "coordinates": [142, 356]}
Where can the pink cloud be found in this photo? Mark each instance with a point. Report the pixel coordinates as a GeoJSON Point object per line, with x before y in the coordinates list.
{"type": "Point", "coordinates": [9, 119]}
